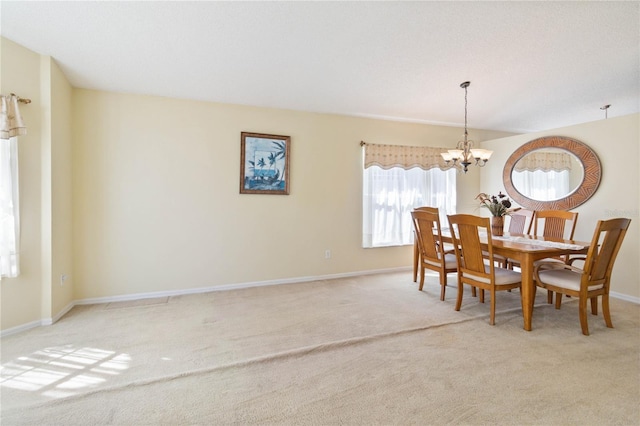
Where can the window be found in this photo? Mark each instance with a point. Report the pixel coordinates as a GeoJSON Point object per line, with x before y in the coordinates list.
{"type": "Point", "coordinates": [390, 195]}
{"type": "Point", "coordinates": [9, 208]}
{"type": "Point", "coordinates": [11, 126]}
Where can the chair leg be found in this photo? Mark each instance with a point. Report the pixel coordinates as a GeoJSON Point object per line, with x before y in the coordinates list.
{"type": "Point", "coordinates": [549, 297]}
{"type": "Point", "coordinates": [473, 291]}
{"type": "Point", "coordinates": [421, 278]}
{"type": "Point", "coordinates": [583, 315]}
{"type": "Point", "coordinates": [594, 306]}
{"type": "Point", "coordinates": [605, 310]}
{"type": "Point", "coordinates": [443, 284]}
{"type": "Point", "coordinates": [459, 299]}
{"type": "Point", "coordinates": [492, 317]}
{"type": "Point", "coordinates": [558, 300]}
{"type": "Point", "coordinates": [416, 259]}
{"type": "Point", "coordinates": [481, 296]}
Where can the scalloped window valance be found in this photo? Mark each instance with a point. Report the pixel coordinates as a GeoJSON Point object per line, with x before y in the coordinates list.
{"type": "Point", "coordinates": [406, 157]}
{"type": "Point", "coordinates": [11, 123]}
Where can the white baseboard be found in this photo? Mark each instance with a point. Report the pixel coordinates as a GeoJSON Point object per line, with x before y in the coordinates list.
{"type": "Point", "coordinates": [63, 312]}
{"type": "Point", "coordinates": [225, 287]}
{"type": "Point", "coordinates": [150, 295]}
{"type": "Point", "coordinates": [34, 324]}
{"type": "Point", "coordinates": [628, 298]}
{"type": "Point", "coordinates": [21, 328]}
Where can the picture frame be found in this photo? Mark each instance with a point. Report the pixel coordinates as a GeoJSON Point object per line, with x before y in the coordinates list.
{"type": "Point", "coordinates": [264, 163]}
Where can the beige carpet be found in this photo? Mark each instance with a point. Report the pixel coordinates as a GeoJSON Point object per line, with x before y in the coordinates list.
{"type": "Point", "coordinates": [370, 350]}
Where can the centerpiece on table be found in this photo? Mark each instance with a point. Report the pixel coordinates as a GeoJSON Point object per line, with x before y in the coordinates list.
{"type": "Point", "coordinates": [499, 206]}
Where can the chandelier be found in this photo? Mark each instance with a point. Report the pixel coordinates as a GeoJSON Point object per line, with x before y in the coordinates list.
{"type": "Point", "coordinates": [464, 154]}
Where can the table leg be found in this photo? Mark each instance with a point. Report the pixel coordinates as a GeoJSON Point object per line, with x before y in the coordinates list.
{"type": "Point", "coordinates": [528, 290]}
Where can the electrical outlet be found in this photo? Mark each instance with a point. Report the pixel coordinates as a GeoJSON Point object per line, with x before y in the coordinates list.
{"type": "Point", "coordinates": [327, 254]}
{"type": "Point", "coordinates": [63, 278]}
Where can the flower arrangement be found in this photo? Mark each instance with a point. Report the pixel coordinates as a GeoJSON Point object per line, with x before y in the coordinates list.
{"type": "Point", "coordinates": [499, 205]}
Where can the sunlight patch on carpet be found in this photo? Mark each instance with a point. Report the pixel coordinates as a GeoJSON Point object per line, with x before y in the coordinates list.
{"type": "Point", "coordinates": [62, 371]}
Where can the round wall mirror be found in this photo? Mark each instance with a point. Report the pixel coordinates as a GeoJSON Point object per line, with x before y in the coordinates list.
{"type": "Point", "coordinates": [552, 173]}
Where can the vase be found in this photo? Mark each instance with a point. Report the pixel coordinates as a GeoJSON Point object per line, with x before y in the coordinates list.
{"type": "Point", "coordinates": [497, 226]}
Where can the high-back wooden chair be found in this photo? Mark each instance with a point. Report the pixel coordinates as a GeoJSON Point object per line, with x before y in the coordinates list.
{"type": "Point", "coordinates": [555, 223]}
{"type": "Point", "coordinates": [416, 249]}
{"type": "Point", "coordinates": [426, 224]}
{"type": "Point", "coordinates": [472, 269]}
{"type": "Point", "coordinates": [594, 279]}
{"type": "Point", "coordinates": [520, 221]}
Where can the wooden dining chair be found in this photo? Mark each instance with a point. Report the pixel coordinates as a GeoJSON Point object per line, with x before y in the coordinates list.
{"type": "Point", "coordinates": [426, 224]}
{"type": "Point", "coordinates": [555, 224]}
{"type": "Point", "coordinates": [472, 269]}
{"type": "Point", "coordinates": [416, 249]}
{"type": "Point", "coordinates": [594, 279]}
{"type": "Point", "coordinates": [520, 222]}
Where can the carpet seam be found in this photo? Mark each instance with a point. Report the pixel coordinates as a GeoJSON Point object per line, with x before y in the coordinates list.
{"type": "Point", "coordinates": [291, 353]}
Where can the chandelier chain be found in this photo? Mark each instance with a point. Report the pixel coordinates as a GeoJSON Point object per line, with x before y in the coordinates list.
{"type": "Point", "coordinates": [465, 153]}
{"type": "Point", "coordinates": [465, 111]}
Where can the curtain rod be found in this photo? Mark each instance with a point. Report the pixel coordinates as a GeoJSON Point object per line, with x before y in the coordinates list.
{"type": "Point", "coordinates": [22, 100]}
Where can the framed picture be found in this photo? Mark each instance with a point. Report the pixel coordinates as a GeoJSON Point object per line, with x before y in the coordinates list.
{"type": "Point", "coordinates": [264, 164]}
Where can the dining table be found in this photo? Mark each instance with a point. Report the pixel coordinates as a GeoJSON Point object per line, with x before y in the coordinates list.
{"type": "Point", "coordinates": [527, 249]}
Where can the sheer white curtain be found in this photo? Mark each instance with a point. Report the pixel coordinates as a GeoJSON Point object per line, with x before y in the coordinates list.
{"type": "Point", "coordinates": [396, 180]}
{"type": "Point", "coordinates": [11, 125]}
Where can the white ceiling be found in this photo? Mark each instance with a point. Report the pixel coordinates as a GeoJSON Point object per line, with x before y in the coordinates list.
{"type": "Point", "coordinates": [532, 65]}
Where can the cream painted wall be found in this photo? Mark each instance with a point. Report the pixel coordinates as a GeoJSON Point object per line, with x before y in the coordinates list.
{"type": "Point", "coordinates": [617, 195]}
{"type": "Point", "coordinates": [35, 296]}
{"type": "Point", "coordinates": [157, 204]}
{"type": "Point", "coordinates": [154, 205]}
{"type": "Point", "coordinates": [62, 294]}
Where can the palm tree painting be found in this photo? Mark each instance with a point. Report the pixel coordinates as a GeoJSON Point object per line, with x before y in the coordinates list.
{"type": "Point", "coordinates": [264, 164]}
